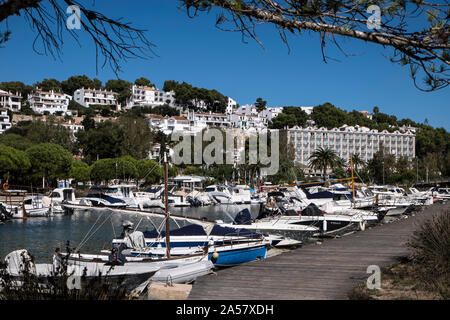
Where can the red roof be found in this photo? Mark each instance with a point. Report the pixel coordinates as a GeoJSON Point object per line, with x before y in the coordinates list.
{"type": "Point", "coordinates": [179, 118]}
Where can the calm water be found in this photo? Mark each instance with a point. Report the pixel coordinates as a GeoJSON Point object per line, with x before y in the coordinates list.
{"type": "Point", "coordinates": [40, 236]}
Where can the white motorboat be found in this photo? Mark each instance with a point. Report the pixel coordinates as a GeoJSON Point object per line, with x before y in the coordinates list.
{"type": "Point", "coordinates": [99, 197]}
{"type": "Point", "coordinates": [218, 194]}
{"type": "Point", "coordinates": [147, 201]}
{"type": "Point", "coordinates": [176, 200]}
{"type": "Point", "coordinates": [440, 194]}
{"type": "Point", "coordinates": [32, 206]}
{"type": "Point", "coordinates": [223, 194]}
{"type": "Point", "coordinates": [60, 195]}
{"type": "Point", "coordinates": [272, 226]}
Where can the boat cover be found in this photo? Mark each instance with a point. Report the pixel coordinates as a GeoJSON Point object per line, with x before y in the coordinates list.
{"type": "Point", "coordinates": [243, 217]}
{"type": "Point", "coordinates": [105, 197]}
{"type": "Point", "coordinates": [197, 230]}
{"type": "Point", "coordinates": [312, 210]}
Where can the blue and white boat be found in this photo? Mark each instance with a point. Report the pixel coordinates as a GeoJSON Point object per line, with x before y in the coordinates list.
{"type": "Point", "coordinates": [194, 235]}
{"type": "Point", "coordinates": [224, 246]}
{"type": "Point", "coordinates": [98, 197]}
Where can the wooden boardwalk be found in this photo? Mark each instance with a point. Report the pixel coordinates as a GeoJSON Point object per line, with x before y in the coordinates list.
{"type": "Point", "coordinates": [317, 271]}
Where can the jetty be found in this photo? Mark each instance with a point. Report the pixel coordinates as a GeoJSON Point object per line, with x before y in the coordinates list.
{"type": "Point", "coordinates": [327, 270]}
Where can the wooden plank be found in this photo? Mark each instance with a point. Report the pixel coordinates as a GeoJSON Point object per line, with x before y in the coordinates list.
{"type": "Point", "coordinates": [315, 271]}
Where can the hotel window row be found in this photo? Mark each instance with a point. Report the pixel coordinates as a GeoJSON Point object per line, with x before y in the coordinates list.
{"type": "Point", "coordinates": [346, 141]}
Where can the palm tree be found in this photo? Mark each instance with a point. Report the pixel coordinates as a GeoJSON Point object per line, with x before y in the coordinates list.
{"type": "Point", "coordinates": [358, 162]}
{"type": "Point", "coordinates": [322, 159]}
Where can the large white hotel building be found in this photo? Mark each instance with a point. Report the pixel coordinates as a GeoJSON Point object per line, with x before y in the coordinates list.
{"type": "Point", "coordinates": [347, 140]}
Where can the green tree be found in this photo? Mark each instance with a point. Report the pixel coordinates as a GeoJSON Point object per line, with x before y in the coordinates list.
{"type": "Point", "coordinates": [50, 161]}
{"type": "Point", "coordinates": [376, 110]}
{"type": "Point", "coordinates": [105, 141]}
{"type": "Point", "coordinates": [16, 86]}
{"type": "Point", "coordinates": [126, 168]}
{"type": "Point", "coordinates": [77, 82]}
{"type": "Point", "coordinates": [143, 82]}
{"type": "Point", "coordinates": [41, 132]}
{"type": "Point", "coordinates": [103, 170]}
{"type": "Point", "coordinates": [358, 163]}
{"type": "Point", "coordinates": [80, 171]}
{"type": "Point", "coordinates": [121, 87]}
{"type": "Point", "coordinates": [322, 159]}
{"type": "Point", "coordinates": [49, 84]}
{"type": "Point", "coordinates": [381, 166]}
{"type": "Point", "coordinates": [13, 161]}
{"type": "Point", "coordinates": [282, 121]}
{"type": "Point", "coordinates": [187, 96]}
{"type": "Point", "coordinates": [149, 171]}
{"type": "Point", "coordinates": [15, 141]}
{"type": "Point", "coordinates": [88, 123]}
{"type": "Point", "coordinates": [137, 137]}
{"type": "Point", "coordinates": [260, 104]}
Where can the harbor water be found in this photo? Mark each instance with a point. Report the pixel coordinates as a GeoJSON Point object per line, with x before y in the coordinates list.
{"type": "Point", "coordinates": [40, 236]}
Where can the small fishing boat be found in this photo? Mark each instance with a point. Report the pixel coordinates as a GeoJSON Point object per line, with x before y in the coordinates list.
{"type": "Point", "coordinates": [185, 273]}
{"type": "Point", "coordinates": [128, 275]}
{"type": "Point", "coordinates": [32, 206]}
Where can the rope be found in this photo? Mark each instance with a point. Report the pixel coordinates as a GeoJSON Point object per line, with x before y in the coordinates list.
{"type": "Point", "coordinates": [95, 231]}
{"type": "Point", "coordinates": [114, 231]}
{"type": "Point", "coordinates": [90, 230]}
{"type": "Point", "coordinates": [137, 226]}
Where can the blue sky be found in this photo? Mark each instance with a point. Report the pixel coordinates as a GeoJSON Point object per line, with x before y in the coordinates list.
{"type": "Point", "coordinates": [193, 50]}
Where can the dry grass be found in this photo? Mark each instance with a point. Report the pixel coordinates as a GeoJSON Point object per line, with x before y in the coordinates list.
{"type": "Point", "coordinates": [425, 274]}
{"type": "Point", "coordinates": [430, 255]}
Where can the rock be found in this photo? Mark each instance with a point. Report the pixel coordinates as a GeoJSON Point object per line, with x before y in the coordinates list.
{"type": "Point", "coordinates": [162, 291]}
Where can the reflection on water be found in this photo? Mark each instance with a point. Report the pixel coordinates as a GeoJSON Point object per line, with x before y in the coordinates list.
{"type": "Point", "coordinates": [40, 236]}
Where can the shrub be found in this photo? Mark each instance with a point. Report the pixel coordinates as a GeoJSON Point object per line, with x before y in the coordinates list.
{"type": "Point", "coordinates": [431, 252]}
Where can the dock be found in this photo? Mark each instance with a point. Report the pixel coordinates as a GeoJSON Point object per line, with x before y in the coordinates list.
{"type": "Point", "coordinates": [329, 270]}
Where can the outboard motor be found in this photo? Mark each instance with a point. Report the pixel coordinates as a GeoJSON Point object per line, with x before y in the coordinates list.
{"type": "Point", "coordinates": [194, 202]}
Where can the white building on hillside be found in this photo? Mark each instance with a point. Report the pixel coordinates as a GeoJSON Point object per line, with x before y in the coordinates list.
{"type": "Point", "coordinates": [5, 124]}
{"type": "Point", "coordinates": [48, 101]}
{"type": "Point", "coordinates": [10, 101]}
{"type": "Point", "coordinates": [231, 105]}
{"type": "Point", "coordinates": [270, 113]}
{"type": "Point", "coordinates": [246, 109]}
{"type": "Point", "coordinates": [150, 96]}
{"type": "Point", "coordinates": [347, 141]}
{"type": "Point", "coordinates": [168, 124]}
{"type": "Point", "coordinates": [73, 127]}
{"type": "Point", "coordinates": [244, 121]}
{"type": "Point", "coordinates": [209, 120]}
{"type": "Point", "coordinates": [88, 97]}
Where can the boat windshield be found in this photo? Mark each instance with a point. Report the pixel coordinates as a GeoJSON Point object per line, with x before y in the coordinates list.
{"type": "Point", "coordinates": [55, 195]}
{"type": "Point", "coordinates": [111, 190]}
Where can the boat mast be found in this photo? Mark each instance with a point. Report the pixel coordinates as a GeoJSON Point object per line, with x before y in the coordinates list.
{"type": "Point", "coordinates": [166, 200]}
{"type": "Point", "coordinates": [353, 180]}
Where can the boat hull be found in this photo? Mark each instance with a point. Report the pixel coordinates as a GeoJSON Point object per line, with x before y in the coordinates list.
{"type": "Point", "coordinates": [238, 256]}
